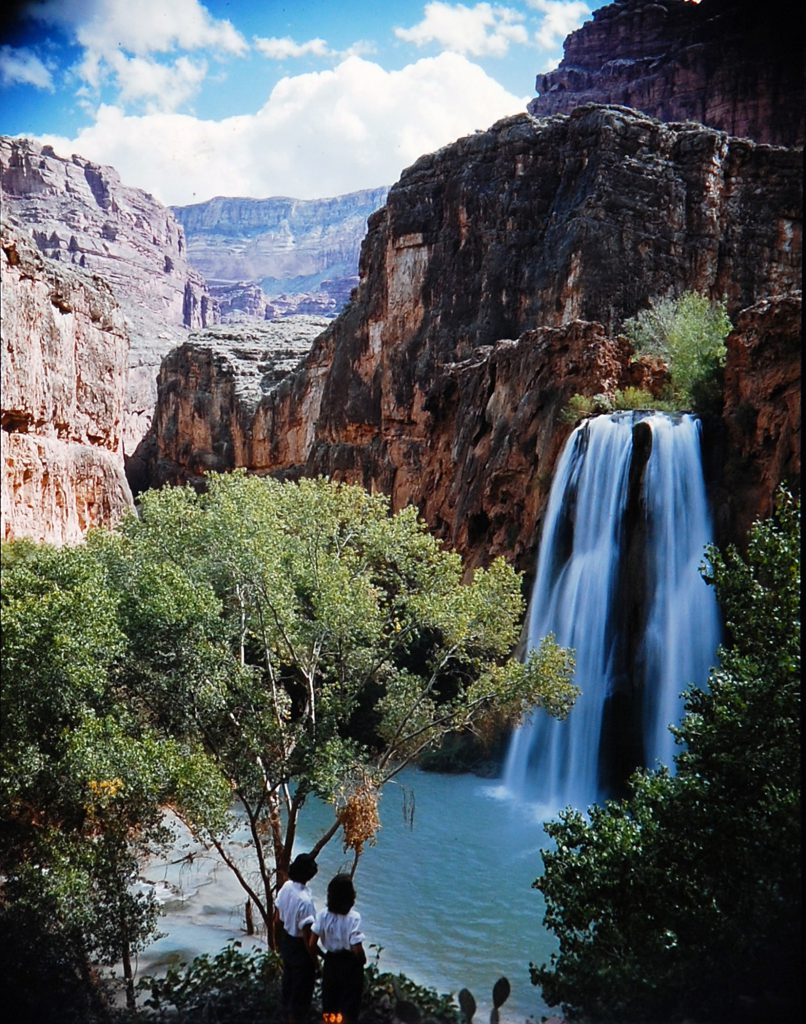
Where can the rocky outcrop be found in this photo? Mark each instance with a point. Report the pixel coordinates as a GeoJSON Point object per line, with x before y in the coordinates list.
{"type": "Point", "coordinates": [209, 389]}
{"type": "Point", "coordinates": [301, 253]}
{"type": "Point", "coordinates": [492, 285]}
{"type": "Point", "coordinates": [83, 216]}
{"type": "Point", "coordinates": [64, 350]}
{"type": "Point", "coordinates": [761, 418]}
{"type": "Point", "coordinates": [734, 65]}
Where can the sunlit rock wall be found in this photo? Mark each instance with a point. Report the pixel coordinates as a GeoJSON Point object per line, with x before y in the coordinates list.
{"type": "Point", "coordinates": [64, 352]}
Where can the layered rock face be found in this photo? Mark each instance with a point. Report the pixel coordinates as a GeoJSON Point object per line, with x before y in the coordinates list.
{"type": "Point", "coordinates": [64, 353]}
{"type": "Point", "coordinates": [492, 284]}
{"type": "Point", "coordinates": [279, 256]}
{"type": "Point", "coordinates": [82, 215]}
{"type": "Point", "coordinates": [210, 388]}
{"type": "Point", "coordinates": [734, 65]}
{"type": "Point", "coordinates": [761, 418]}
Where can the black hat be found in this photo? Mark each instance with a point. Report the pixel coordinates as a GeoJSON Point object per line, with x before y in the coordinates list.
{"type": "Point", "coordinates": [302, 868]}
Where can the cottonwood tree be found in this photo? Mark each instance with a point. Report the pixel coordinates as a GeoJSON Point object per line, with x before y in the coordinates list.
{"type": "Point", "coordinates": [82, 785]}
{"type": "Point", "coordinates": [313, 644]}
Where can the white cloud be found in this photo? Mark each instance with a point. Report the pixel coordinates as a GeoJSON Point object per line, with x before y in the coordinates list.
{"type": "Point", "coordinates": [561, 17]}
{"type": "Point", "coordinates": [141, 26]}
{"type": "Point", "coordinates": [118, 38]}
{"type": "Point", "coordinates": [482, 31]}
{"type": "Point", "coordinates": [319, 134]}
{"type": "Point", "coordinates": [20, 66]}
{"type": "Point", "coordinates": [159, 86]}
{"type": "Point", "coordinates": [276, 48]}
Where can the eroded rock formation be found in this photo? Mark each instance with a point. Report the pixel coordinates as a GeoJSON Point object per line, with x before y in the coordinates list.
{"type": "Point", "coordinates": [209, 390]}
{"type": "Point", "coordinates": [64, 352]}
{"type": "Point", "coordinates": [492, 284]}
{"type": "Point", "coordinates": [735, 65]}
{"type": "Point", "coordinates": [761, 417]}
{"type": "Point", "coordinates": [82, 215]}
{"type": "Point", "coordinates": [279, 257]}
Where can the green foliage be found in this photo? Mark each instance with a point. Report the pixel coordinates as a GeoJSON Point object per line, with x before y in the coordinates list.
{"type": "Point", "coordinates": [311, 643]}
{"type": "Point", "coordinates": [684, 899]}
{"type": "Point", "coordinates": [235, 987]}
{"type": "Point", "coordinates": [231, 987]}
{"type": "Point", "coordinates": [689, 334]}
{"type": "Point", "coordinates": [579, 407]}
{"type": "Point", "coordinates": [82, 782]}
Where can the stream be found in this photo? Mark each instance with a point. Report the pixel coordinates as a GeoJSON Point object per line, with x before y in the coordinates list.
{"type": "Point", "coordinates": [445, 895]}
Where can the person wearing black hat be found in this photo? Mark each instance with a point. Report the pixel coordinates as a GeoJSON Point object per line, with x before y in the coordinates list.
{"type": "Point", "coordinates": [294, 913]}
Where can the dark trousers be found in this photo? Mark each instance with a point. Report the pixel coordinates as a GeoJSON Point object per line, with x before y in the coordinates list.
{"type": "Point", "coordinates": [299, 974]}
{"type": "Point", "coordinates": [342, 985]}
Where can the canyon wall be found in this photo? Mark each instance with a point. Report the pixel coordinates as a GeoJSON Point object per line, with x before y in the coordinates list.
{"type": "Point", "coordinates": [493, 284]}
{"type": "Point", "coordinates": [735, 65]}
{"type": "Point", "coordinates": [64, 353]}
{"type": "Point", "coordinates": [278, 257]}
{"type": "Point", "coordinates": [82, 215]}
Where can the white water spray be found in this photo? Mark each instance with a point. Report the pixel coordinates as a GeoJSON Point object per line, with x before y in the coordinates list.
{"type": "Point", "coordinates": [618, 581]}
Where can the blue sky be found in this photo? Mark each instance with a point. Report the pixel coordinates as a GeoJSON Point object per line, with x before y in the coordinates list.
{"type": "Point", "coordinates": [194, 98]}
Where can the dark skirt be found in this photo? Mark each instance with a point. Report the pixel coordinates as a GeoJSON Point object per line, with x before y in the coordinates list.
{"type": "Point", "coordinates": [299, 975]}
{"type": "Point", "coordinates": [342, 985]}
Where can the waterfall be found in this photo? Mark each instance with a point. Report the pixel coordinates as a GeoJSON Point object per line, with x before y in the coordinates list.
{"type": "Point", "coordinates": [618, 581]}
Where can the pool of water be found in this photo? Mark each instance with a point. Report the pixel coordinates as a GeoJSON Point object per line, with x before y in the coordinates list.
{"type": "Point", "coordinates": [447, 896]}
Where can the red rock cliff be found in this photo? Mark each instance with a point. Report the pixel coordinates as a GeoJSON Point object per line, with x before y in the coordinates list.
{"type": "Point", "coordinates": [492, 283]}
{"type": "Point", "coordinates": [735, 65]}
{"type": "Point", "coordinates": [64, 351]}
{"type": "Point", "coordinates": [80, 214]}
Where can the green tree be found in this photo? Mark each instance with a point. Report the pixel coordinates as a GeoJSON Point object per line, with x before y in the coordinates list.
{"type": "Point", "coordinates": [684, 899]}
{"type": "Point", "coordinates": [689, 333]}
{"type": "Point", "coordinates": [313, 644]}
{"type": "Point", "coordinates": [81, 784]}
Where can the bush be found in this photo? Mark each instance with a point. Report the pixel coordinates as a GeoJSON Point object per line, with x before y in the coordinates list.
{"type": "Point", "coordinates": [689, 333]}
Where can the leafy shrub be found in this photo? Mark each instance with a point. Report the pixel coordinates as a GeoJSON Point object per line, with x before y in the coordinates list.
{"type": "Point", "coordinates": [689, 333]}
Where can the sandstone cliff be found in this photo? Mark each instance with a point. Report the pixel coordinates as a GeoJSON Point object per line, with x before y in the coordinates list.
{"type": "Point", "coordinates": [735, 65]}
{"type": "Point", "coordinates": [82, 215]}
{"type": "Point", "coordinates": [492, 283]}
{"type": "Point", "coordinates": [209, 390]}
{"type": "Point", "coordinates": [279, 256]}
{"type": "Point", "coordinates": [64, 351]}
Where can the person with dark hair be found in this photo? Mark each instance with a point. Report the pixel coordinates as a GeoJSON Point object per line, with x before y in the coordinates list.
{"type": "Point", "coordinates": [337, 932]}
{"type": "Point", "coordinates": [294, 913]}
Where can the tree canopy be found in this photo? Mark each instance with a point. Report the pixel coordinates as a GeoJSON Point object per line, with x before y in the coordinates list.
{"type": "Point", "coordinates": [684, 900]}
{"type": "Point", "coordinates": [228, 655]}
{"type": "Point", "coordinates": [313, 644]}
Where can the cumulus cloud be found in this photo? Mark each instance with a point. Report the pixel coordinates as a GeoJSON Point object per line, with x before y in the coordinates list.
{"type": "Point", "coordinates": [560, 17]}
{"type": "Point", "coordinates": [119, 41]}
{"type": "Point", "coordinates": [482, 31]}
{"type": "Point", "coordinates": [20, 66]}
{"type": "Point", "coordinates": [158, 86]}
{"type": "Point", "coordinates": [141, 26]}
{"type": "Point", "coordinates": [276, 48]}
{"type": "Point", "coordinates": [319, 134]}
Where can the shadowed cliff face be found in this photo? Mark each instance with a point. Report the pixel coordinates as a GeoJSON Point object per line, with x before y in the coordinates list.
{"type": "Point", "coordinates": [492, 284]}
{"type": "Point", "coordinates": [64, 348]}
{"type": "Point", "coordinates": [735, 65]}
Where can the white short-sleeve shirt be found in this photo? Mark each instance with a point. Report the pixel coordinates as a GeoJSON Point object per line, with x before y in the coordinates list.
{"type": "Point", "coordinates": [338, 931]}
{"type": "Point", "coordinates": [296, 907]}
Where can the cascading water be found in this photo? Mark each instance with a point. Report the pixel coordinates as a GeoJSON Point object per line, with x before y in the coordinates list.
{"type": "Point", "coordinates": [618, 581]}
